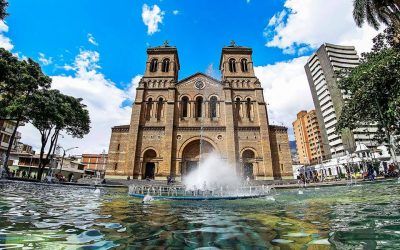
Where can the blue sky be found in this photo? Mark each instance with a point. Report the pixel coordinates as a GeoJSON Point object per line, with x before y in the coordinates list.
{"type": "Point", "coordinates": [59, 30]}
{"type": "Point", "coordinates": [96, 49]}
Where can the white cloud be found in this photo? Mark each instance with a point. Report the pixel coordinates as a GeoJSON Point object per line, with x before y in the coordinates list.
{"type": "Point", "coordinates": [91, 39]}
{"type": "Point", "coordinates": [103, 99]}
{"type": "Point", "coordinates": [175, 12]}
{"type": "Point", "coordinates": [5, 42]}
{"type": "Point", "coordinates": [131, 91]}
{"type": "Point", "coordinates": [286, 90]}
{"type": "Point", "coordinates": [277, 18]}
{"type": "Point", "coordinates": [305, 24]}
{"type": "Point", "coordinates": [45, 61]}
{"type": "Point", "coordinates": [152, 17]}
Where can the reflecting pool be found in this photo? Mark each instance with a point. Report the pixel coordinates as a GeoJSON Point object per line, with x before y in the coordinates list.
{"type": "Point", "coordinates": [53, 217]}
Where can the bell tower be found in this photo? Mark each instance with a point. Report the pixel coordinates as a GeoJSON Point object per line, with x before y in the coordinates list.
{"type": "Point", "coordinates": [162, 62]}
{"type": "Point", "coordinates": [153, 110]}
{"type": "Point", "coordinates": [236, 61]}
{"type": "Point", "coordinates": [247, 110]}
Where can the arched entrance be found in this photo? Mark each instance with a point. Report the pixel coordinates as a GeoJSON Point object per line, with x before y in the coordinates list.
{"type": "Point", "coordinates": [248, 158]}
{"type": "Point", "coordinates": [149, 165]}
{"type": "Point", "coordinates": [192, 153]}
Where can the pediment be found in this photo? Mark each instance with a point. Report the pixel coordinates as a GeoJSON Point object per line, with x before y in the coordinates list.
{"type": "Point", "coordinates": [199, 81]}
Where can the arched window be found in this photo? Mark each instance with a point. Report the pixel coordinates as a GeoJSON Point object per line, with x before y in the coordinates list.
{"type": "Point", "coordinates": [199, 106]}
{"type": "Point", "coordinates": [185, 106]}
{"type": "Point", "coordinates": [165, 65]}
{"type": "Point", "coordinates": [213, 107]}
{"type": "Point", "coordinates": [149, 108]}
{"type": "Point", "coordinates": [237, 107]}
{"type": "Point", "coordinates": [243, 63]}
{"type": "Point", "coordinates": [232, 65]}
{"type": "Point", "coordinates": [248, 108]}
{"type": "Point", "coordinates": [153, 65]}
{"type": "Point", "coordinates": [160, 104]}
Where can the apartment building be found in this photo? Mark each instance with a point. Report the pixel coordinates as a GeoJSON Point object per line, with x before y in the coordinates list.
{"type": "Point", "coordinates": [321, 69]}
{"type": "Point", "coordinates": [307, 132]}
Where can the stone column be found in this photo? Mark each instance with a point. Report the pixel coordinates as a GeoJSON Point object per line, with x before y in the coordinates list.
{"type": "Point", "coordinates": [231, 147]}
{"type": "Point", "coordinates": [134, 142]}
{"type": "Point", "coordinates": [167, 153]}
{"type": "Point", "coordinates": [266, 170]}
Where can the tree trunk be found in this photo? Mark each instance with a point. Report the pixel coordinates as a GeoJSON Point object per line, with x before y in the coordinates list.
{"type": "Point", "coordinates": [44, 139]}
{"type": "Point", "coordinates": [49, 155]}
{"type": "Point", "coordinates": [39, 175]}
{"type": "Point", "coordinates": [53, 151]}
{"type": "Point", "coordinates": [10, 144]}
{"type": "Point", "coordinates": [40, 168]}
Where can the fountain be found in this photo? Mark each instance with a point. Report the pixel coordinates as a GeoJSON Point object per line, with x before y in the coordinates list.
{"type": "Point", "coordinates": [214, 179]}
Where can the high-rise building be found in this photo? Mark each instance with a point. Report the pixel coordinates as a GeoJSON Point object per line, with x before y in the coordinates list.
{"type": "Point", "coordinates": [328, 99]}
{"type": "Point", "coordinates": [310, 149]}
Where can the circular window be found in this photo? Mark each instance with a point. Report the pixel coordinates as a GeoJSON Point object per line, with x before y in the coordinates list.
{"type": "Point", "coordinates": [219, 137]}
{"type": "Point", "coordinates": [199, 85]}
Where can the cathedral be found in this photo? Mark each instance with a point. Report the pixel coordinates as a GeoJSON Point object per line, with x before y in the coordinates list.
{"type": "Point", "coordinates": [175, 123]}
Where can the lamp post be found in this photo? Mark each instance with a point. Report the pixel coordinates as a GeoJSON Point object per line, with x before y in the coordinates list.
{"type": "Point", "coordinates": [64, 152]}
{"type": "Point", "coordinates": [103, 161]}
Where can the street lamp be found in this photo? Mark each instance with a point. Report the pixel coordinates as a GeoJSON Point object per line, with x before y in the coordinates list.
{"type": "Point", "coordinates": [64, 152]}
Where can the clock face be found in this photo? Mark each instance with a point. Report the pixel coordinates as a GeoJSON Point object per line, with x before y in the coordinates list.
{"type": "Point", "coordinates": [199, 85]}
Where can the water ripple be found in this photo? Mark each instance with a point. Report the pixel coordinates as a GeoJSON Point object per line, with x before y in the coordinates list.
{"type": "Point", "coordinates": [52, 217]}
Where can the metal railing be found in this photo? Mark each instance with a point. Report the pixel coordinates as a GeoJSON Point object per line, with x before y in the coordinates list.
{"type": "Point", "coordinates": [182, 191]}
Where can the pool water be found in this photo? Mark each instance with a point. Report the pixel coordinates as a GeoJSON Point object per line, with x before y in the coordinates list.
{"type": "Point", "coordinates": [53, 217]}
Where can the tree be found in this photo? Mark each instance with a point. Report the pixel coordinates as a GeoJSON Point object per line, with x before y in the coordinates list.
{"type": "Point", "coordinates": [19, 80]}
{"type": "Point", "coordinates": [3, 6]}
{"type": "Point", "coordinates": [375, 12]}
{"type": "Point", "coordinates": [373, 90]}
{"type": "Point", "coordinates": [53, 112]}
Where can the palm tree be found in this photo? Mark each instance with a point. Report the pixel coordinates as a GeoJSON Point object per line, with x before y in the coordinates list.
{"type": "Point", "coordinates": [375, 12]}
{"type": "Point", "coordinates": [3, 5]}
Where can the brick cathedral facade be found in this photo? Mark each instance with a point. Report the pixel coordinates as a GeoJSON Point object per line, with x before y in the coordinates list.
{"type": "Point", "coordinates": [176, 122]}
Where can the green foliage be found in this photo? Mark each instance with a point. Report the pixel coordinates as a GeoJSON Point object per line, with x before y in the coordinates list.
{"type": "Point", "coordinates": [375, 12]}
{"type": "Point", "coordinates": [18, 82]}
{"type": "Point", "coordinates": [78, 120]}
{"type": "Point", "coordinates": [52, 110]}
{"type": "Point", "coordinates": [3, 6]}
{"type": "Point", "coordinates": [373, 90]}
